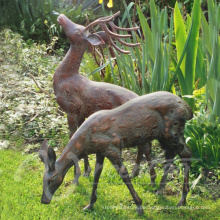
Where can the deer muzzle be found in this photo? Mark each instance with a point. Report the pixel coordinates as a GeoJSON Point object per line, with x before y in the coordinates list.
{"type": "Point", "coordinates": [45, 199]}
{"type": "Point", "coordinates": [61, 18]}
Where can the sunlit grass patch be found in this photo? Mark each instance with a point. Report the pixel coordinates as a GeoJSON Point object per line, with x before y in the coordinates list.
{"type": "Point", "coordinates": [21, 178]}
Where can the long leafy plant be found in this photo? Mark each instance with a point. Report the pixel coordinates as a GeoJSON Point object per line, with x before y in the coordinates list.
{"type": "Point", "coordinates": [211, 42]}
{"type": "Point", "coordinates": [146, 69]}
{"type": "Point", "coordinates": [28, 17]}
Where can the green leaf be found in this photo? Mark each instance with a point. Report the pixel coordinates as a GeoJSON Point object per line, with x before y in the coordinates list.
{"type": "Point", "coordinates": [205, 34]}
{"type": "Point", "coordinates": [191, 53]}
{"type": "Point", "coordinates": [112, 71]}
{"type": "Point", "coordinates": [125, 13]}
{"type": "Point", "coordinates": [180, 35]}
{"type": "Point", "coordinates": [189, 46]}
{"type": "Point", "coordinates": [108, 77]}
{"type": "Point", "coordinates": [147, 33]}
{"type": "Point", "coordinates": [100, 68]}
{"type": "Point", "coordinates": [154, 19]}
{"type": "Point", "coordinates": [200, 72]}
{"type": "Point", "coordinates": [180, 74]}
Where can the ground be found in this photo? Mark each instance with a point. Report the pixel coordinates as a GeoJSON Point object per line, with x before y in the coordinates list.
{"type": "Point", "coordinates": [21, 187]}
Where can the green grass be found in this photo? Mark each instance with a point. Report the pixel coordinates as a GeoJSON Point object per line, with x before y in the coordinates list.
{"type": "Point", "coordinates": [21, 187]}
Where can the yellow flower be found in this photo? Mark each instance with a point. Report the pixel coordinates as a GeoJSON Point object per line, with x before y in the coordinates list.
{"type": "Point", "coordinates": [110, 4]}
{"type": "Point", "coordinates": [198, 92]}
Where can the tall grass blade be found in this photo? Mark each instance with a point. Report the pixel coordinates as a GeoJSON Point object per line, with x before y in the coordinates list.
{"type": "Point", "coordinates": [192, 49]}
{"type": "Point", "coordinates": [112, 71]}
{"type": "Point", "coordinates": [147, 33]}
{"type": "Point", "coordinates": [207, 45]}
{"type": "Point", "coordinates": [100, 68]}
{"type": "Point", "coordinates": [180, 36]}
{"type": "Point", "coordinates": [188, 46]}
{"type": "Point", "coordinates": [213, 81]}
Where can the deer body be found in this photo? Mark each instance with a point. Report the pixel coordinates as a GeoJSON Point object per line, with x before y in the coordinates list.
{"type": "Point", "coordinates": [80, 97]}
{"type": "Point", "coordinates": [159, 115]}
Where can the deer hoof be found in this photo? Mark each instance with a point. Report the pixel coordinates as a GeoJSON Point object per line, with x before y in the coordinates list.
{"type": "Point", "coordinates": [88, 207]}
{"type": "Point", "coordinates": [87, 172]}
{"type": "Point", "coordinates": [135, 171]}
{"type": "Point", "coordinates": [140, 210]}
{"type": "Point", "coordinates": [159, 192]}
{"type": "Point", "coordinates": [75, 182]}
{"type": "Point", "coordinates": [182, 202]}
{"type": "Point", "coordinates": [152, 183]}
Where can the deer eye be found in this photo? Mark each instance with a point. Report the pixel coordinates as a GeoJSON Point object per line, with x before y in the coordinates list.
{"type": "Point", "coordinates": [53, 179]}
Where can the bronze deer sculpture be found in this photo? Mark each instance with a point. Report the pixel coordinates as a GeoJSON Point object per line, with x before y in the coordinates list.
{"type": "Point", "coordinates": [80, 97]}
{"type": "Point", "coordinates": [159, 115]}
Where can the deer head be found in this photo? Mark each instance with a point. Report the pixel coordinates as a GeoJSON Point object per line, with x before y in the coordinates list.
{"type": "Point", "coordinates": [52, 178]}
{"type": "Point", "coordinates": [80, 35]}
{"type": "Point", "coordinates": [77, 34]}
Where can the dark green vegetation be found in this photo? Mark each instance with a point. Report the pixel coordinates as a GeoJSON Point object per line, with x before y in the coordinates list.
{"type": "Point", "coordinates": [36, 19]}
{"type": "Point", "coordinates": [179, 52]}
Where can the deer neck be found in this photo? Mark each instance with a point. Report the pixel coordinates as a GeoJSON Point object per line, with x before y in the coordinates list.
{"type": "Point", "coordinates": [68, 158]}
{"type": "Point", "coordinates": [71, 62]}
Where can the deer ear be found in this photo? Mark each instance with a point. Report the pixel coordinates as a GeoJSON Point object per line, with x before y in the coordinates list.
{"type": "Point", "coordinates": [95, 39]}
{"type": "Point", "coordinates": [52, 159]}
{"type": "Point", "coordinates": [47, 155]}
{"type": "Point", "coordinates": [43, 151]}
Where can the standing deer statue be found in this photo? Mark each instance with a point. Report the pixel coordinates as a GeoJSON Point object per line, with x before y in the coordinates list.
{"type": "Point", "coordinates": [159, 115]}
{"type": "Point", "coordinates": [80, 97]}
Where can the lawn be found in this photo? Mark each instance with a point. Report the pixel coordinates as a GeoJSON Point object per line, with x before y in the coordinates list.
{"type": "Point", "coordinates": [21, 187]}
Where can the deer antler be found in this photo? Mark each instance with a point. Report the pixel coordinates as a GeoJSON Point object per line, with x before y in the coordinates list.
{"type": "Point", "coordinates": [102, 19]}
{"type": "Point", "coordinates": [113, 34]}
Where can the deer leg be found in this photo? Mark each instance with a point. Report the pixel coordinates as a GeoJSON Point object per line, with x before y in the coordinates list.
{"type": "Point", "coordinates": [123, 172]}
{"type": "Point", "coordinates": [185, 156]}
{"type": "Point", "coordinates": [169, 160]}
{"type": "Point", "coordinates": [136, 167]}
{"type": "Point", "coordinates": [72, 125]}
{"type": "Point", "coordinates": [98, 170]}
{"type": "Point", "coordinates": [147, 153]}
{"type": "Point", "coordinates": [86, 166]}
{"type": "Point", "coordinates": [72, 129]}
{"type": "Point", "coordinates": [77, 174]}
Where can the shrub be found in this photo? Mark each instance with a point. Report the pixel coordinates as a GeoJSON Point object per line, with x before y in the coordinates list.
{"type": "Point", "coordinates": [28, 17]}
{"type": "Point", "coordinates": [28, 110]}
{"type": "Point", "coordinates": [202, 136]}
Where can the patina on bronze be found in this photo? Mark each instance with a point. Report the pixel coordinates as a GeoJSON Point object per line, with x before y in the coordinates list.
{"type": "Point", "coordinates": [159, 115]}
{"type": "Point", "coordinates": [80, 97]}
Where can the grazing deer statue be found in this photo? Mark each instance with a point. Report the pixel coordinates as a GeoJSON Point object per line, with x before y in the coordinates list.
{"type": "Point", "coordinates": [80, 97]}
{"type": "Point", "coordinates": [159, 115]}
